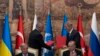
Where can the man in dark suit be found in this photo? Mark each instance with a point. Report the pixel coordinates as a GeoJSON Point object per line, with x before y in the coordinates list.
{"type": "Point", "coordinates": [72, 50]}
{"type": "Point", "coordinates": [36, 39]}
{"type": "Point", "coordinates": [73, 34]}
{"type": "Point", "coordinates": [24, 49]}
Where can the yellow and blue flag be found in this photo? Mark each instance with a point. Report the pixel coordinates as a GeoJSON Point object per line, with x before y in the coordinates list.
{"type": "Point", "coordinates": [6, 44]}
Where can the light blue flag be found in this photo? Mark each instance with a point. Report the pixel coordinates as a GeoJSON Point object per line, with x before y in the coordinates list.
{"type": "Point", "coordinates": [48, 36]}
{"type": "Point", "coordinates": [64, 30]}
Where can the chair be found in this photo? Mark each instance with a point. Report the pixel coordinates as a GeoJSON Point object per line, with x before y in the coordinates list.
{"type": "Point", "coordinates": [33, 51]}
{"type": "Point", "coordinates": [62, 50]}
{"type": "Point", "coordinates": [17, 51]}
{"type": "Point", "coordinates": [65, 49]}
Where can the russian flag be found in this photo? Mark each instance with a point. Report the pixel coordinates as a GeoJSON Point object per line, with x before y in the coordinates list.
{"type": "Point", "coordinates": [94, 48]}
{"type": "Point", "coordinates": [35, 22]}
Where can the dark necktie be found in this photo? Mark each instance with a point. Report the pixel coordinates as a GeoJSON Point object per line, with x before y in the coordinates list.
{"type": "Point", "coordinates": [69, 35]}
{"type": "Point", "coordinates": [25, 54]}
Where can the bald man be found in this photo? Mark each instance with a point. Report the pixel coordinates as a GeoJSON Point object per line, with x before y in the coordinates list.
{"type": "Point", "coordinates": [36, 39]}
{"type": "Point", "coordinates": [24, 49]}
{"type": "Point", "coordinates": [72, 50]}
{"type": "Point", "coordinates": [73, 34]}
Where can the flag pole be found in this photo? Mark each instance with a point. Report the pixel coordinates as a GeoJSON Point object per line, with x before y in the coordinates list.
{"type": "Point", "coordinates": [6, 12]}
{"type": "Point", "coordinates": [21, 14]}
{"type": "Point", "coordinates": [64, 9]}
{"type": "Point", "coordinates": [50, 12]}
{"type": "Point", "coordinates": [10, 9]}
{"type": "Point", "coordinates": [80, 29]}
{"type": "Point", "coordinates": [34, 8]}
{"type": "Point", "coordinates": [43, 9]}
{"type": "Point", "coordinates": [50, 7]}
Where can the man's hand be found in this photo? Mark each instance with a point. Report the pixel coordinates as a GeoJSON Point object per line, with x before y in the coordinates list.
{"type": "Point", "coordinates": [64, 46]}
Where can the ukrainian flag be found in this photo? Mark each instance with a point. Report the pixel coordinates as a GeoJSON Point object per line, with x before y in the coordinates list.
{"type": "Point", "coordinates": [6, 44]}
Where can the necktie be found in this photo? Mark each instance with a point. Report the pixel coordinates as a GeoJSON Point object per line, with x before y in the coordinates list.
{"type": "Point", "coordinates": [69, 35]}
{"type": "Point", "coordinates": [25, 54]}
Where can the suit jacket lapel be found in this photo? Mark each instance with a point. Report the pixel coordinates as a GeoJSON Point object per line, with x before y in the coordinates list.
{"type": "Point", "coordinates": [71, 34]}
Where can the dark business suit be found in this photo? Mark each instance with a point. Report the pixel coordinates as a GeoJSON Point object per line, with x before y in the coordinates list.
{"type": "Point", "coordinates": [67, 53]}
{"type": "Point", "coordinates": [75, 36]}
{"type": "Point", "coordinates": [36, 41]}
{"type": "Point", "coordinates": [29, 54]}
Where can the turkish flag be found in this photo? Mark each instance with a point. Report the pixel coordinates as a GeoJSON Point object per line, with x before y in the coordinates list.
{"type": "Point", "coordinates": [20, 32]}
{"type": "Point", "coordinates": [80, 30]}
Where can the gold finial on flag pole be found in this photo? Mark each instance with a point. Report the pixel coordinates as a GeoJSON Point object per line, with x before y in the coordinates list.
{"type": "Point", "coordinates": [79, 7]}
{"type": "Point", "coordinates": [20, 9]}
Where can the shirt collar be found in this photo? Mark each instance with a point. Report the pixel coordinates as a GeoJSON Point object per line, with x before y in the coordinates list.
{"type": "Point", "coordinates": [26, 54]}
{"type": "Point", "coordinates": [71, 31]}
